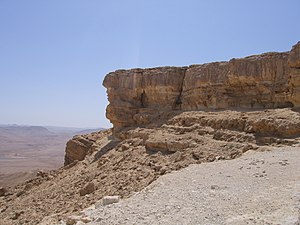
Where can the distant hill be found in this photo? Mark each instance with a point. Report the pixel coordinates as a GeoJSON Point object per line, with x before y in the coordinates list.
{"type": "Point", "coordinates": [73, 130]}
{"type": "Point", "coordinates": [24, 130]}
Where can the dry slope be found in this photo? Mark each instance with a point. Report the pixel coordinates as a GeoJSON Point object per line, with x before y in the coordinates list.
{"type": "Point", "coordinates": [121, 167]}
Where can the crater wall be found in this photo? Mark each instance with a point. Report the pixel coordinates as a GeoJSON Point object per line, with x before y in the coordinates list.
{"type": "Point", "coordinates": [138, 97]}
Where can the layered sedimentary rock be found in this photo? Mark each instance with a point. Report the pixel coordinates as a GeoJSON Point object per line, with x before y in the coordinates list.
{"type": "Point", "coordinates": [140, 96]}
{"type": "Point", "coordinates": [175, 117]}
{"type": "Point", "coordinates": [81, 145]}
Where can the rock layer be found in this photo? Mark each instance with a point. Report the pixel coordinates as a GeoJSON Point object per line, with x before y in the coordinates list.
{"type": "Point", "coordinates": [140, 96]}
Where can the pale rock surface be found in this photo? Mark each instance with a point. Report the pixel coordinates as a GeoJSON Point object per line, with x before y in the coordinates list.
{"type": "Point", "coordinates": [257, 188]}
{"type": "Point", "coordinates": [107, 200]}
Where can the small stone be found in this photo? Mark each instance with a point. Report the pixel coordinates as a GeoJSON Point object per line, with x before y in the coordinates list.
{"type": "Point", "coordinates": [107, 200]}
{"type": "Point", "coordinates": [70, 221]}
{"type": "Point", "coordinates": [157, 167]}
{"type": "Point", "coordinates": [86, 219]}
{"type": "Point", "coordinates": [214, 187]}
{"type": "Point", "coordinates": [87, 189]}
{"type": "Point", "coordinates": [16, 215]}
{"type": "Point", "coordinates": [177, 156]}
{"type": "Point", "coordinates": [256, 174]}
{"type": "Point", "coordinates": [20, 193]}
{"type": "Point", "coordinates": [125, 146]}
{"type": "Point", "coordinates": [283, 162]}
{"type": "Point", "coordinates": [163, 170]}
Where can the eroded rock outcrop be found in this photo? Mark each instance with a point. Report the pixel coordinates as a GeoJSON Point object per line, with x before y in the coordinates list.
{"type": "Point", "coordinates": [140, 96]}
{"type": "Point", "coordinates": [81, 145]}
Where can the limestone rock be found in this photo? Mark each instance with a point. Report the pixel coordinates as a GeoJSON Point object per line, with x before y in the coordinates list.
{"type": "Point", "coordinates": [138, 97]}
{"type": "Point", "coordinates": [135, 95]}
{"type": "Point", "coordinates": [76, 149]}
{"type": "Point", "coordinates": [81, 145]}
{"type": "Point", "coordinates": [107, 200]}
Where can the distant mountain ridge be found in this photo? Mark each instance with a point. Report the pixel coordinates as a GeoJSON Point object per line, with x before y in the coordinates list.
{"type": "Point", "coordinates": [47, 129]}
{"type": "Point", "coordinates": [25, 130]}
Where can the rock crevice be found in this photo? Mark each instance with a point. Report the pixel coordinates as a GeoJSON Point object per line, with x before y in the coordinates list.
{"type": "Point", "coordinates": [178, 102]}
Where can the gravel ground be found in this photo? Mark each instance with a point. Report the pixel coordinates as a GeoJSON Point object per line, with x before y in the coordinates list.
{"type": "Point", "coordinates": [257, 188]}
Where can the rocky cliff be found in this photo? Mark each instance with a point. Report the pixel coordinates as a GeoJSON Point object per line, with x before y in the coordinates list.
{"type": "Point", "coordinates": [166, 119]}
{"type": "Point", "coordinates": [140, 96]}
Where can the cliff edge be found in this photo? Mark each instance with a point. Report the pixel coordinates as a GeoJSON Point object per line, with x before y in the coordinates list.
{"type": "Point", "coordinates": [137, 97]}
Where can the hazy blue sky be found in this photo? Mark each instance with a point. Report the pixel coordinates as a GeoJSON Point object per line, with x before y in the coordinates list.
{"type": "Point", "coordinates": [54, 54]}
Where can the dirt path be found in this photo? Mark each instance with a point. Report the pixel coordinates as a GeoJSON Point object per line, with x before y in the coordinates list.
{"type": "Point", "coordinates": [257, 188]}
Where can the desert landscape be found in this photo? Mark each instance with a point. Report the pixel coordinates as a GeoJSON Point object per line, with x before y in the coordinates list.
{"type": "Point", "coordinates": [26, 149]}
{"type": "Point", "coordinates": [215, 143]}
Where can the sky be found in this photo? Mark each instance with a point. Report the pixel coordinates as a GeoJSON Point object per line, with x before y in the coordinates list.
{"type": "Point", "coordinates": [54, 54]}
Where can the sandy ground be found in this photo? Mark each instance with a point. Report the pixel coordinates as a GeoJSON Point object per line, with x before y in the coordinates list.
{"type": "Point", "coordinates": [257, 188]}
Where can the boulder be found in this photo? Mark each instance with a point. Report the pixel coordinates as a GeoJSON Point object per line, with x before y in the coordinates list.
{"type": "Point", "coordinates": [76, 149]}
{"type": "Point", "coordinates": [107, 200]}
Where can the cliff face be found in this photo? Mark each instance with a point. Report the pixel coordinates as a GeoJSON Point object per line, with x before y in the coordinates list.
{"type": "Point", "coordinates": [139, 96]}
{"type": "Point", "coordinates": [174, 118]}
